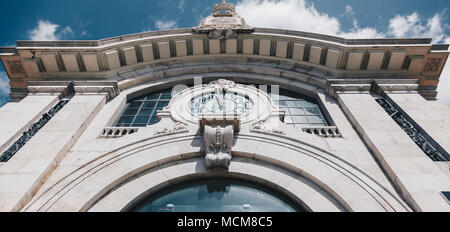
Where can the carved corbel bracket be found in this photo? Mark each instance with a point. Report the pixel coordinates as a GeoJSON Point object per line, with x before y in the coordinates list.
{"type": "Point", "coordinates": [218, 135]}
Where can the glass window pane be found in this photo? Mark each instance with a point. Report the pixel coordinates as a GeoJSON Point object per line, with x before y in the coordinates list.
{"type": "Point", "coordinates": [307, 104]}
{"type": "Point", "coordinates": [130, 111]}
{"type": "Point", "coordinates": [163, 104]}
{"type": "Point", "coordinates": [141, 119]}
{"type": "Point", "coordinates": [297, 111]}
{"type": "Point", "coordinates": [134, 104]}
{"type": "Point", "coordinates": [167, 96]}
{"type": "Point", "coordinates": [295, 103]}
{"type": "Point", "coordinates": [139, 125]}
{"type": "Point", "coordinates": [313, 111]}
{"type": "Point", "coordinates": [145, 112]}
{"type": "Point", "coordinates": [153, 120]}
{"type": "Point", "coordinates": [153, 96]}
{"type": "Point", "coordinates": [126, 119]}
{"type": "Point", "coordinates": [149, 104]}
{"type": "Point", "coordinates": [158, 109]}
{"type": "Point", "coordinates": [299, 119]}
{"type": "Point", "coordinates": [316, 119]}
{"type": "Point", "coordinates": [285, 97]}
{"type": "Point", "coordinates": [123, 125]}
{"type": "Point", "coordinates": [282, 103]}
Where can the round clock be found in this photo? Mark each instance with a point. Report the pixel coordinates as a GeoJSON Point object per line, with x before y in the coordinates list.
{"type": "Point", "coordinates": [221, 99]}
{"type": "Point", "coordinates": [221, 103]}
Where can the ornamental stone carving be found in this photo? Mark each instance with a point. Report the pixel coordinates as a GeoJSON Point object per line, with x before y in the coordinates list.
{"type": "Point", "coordinates": [176, 128]}
{"type": "Point", "coordinates": [218, 144]}
{"type": "Point", "coordinates": [16, 67]}
{"type": "Point", "coordinates": [262, 126]}
{"type": "Point", "coordinates": [223, 23]}
{"type": "Point", "coordinates": [222, 84]}
{"type": "Point", "coordinates": [432, 64]}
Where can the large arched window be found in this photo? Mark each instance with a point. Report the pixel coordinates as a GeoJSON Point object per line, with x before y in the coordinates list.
{"type": "Point", "coordinates": [217, 195]}
{"type": "Point", "coordinates": [142, 111]}
{"type": "Point", "coordinates": [300, 111]}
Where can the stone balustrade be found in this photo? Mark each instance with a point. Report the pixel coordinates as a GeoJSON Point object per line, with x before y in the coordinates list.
{"type": "Point", "coordinates": [117, 132]}
{"type": "Point", "coordinates": [323, 131]}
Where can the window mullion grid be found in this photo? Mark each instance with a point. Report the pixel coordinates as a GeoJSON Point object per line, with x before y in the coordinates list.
{"type": "Point", "coordinates": [154, 108]}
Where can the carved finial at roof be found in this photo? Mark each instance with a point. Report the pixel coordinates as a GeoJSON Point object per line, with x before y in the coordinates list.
{"type": "Point", "coordinates": [223, 23]}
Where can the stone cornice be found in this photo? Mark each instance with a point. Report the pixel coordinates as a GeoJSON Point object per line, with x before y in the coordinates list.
{"type": "Point", "coordinates": [335, 87]}
{"type": "Point", "coordinates": [111, 58]}
{"type": "Point", "coordinates": [110, 89]}
{"type": "Point", "coordinates": [163, 33]}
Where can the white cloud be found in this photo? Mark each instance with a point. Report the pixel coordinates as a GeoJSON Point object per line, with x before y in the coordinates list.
{"type": "Point", "coordinates": [302, 15]}
{"type": "Point", "coordinates": [349, 10]}
{"type": "Point", "coordinates": [288, 14]}
{"type": "Point", "coordinates": [166, 25]}
{"type": "Point", "coordinates": [4, 85]}
{"type": "Point", "coordinates": [181, 5]}
{"type": "Point", "coordinates": [403, 26]}
{"type": "Point", "coordinates": [48, 31]}
{"type": "Point", "coordinates": [299, 15]}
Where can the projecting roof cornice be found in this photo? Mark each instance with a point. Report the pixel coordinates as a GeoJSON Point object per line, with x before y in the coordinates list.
{"type": "Point", "coordinates": [104, 43]}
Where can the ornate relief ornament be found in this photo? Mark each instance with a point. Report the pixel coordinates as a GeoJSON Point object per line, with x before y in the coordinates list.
{"type": "Point", "coordinates": [218, 144]}
{"type": "Point", "coordinates": [262, 126]}
{"type": "Point", "coordinates": [223, 23]}
{"type": "Point", "coordinates": [176, 128]}
{"type": "Point", "coordinates": [16, 67]}
{"type": "Point", "coordinates": [222, 84]}
{"type": "Point", "coordinates": [432, 64]}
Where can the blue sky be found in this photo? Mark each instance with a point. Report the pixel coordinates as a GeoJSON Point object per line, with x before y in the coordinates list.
{"type": "Point", "coordinates": [97, 19]}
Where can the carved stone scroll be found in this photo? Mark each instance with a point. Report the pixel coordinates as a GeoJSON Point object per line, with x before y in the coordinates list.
{"type": "Point", "coordinates": [218, 143]}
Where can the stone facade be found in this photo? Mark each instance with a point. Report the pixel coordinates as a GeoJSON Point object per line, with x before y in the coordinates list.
{"type": "Point", "coordinates": [363, 161]}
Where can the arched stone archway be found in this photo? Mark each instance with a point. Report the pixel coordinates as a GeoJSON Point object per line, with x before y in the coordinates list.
{"type": "Point", "coordinates": [324, 182]}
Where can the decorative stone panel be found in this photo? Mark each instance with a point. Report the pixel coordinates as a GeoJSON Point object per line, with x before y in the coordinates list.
{"type": "Point", "coordinates": [354, 60]}
{"type": "Point", "coordinates": [112, 58]}
{"type": "Point", "coordinates": [397, 60]}
{"type": "Point", "coordinates": [91, 62]}
{"type": "Point", "coordinates": [164, 50]}
{"type": "Point", "coordinates": [264, 47]}
{"type": "Point", "coordinates": [231, 45]}
{"type": "Point", "coordinates": [70, 62]}
{"type": "Point", "coordinates": [247, 44]}
{"type": "Point", "coordinates": [130, 55]}
{"type": "Point", "coordinates": [49, 61]}
{"type": "Point", "coordinates": [181, 48]}
{"type": "Point", "coordinates": [197, 46]}
{"type": "Point", "coordinates": [282, 46]}
{"type": "Point", "coordinates": [375, 60]}
{"type": "Point", "coordinates": [147, 52]}
{"type": "Point", "coordinates": [214, 46]}
{"type": "Point", "coordinates": [299, 51]}
{"type": "Point", "coordinates": [333, 58]}
{"type": "Point", "coordinates": [315, 54]}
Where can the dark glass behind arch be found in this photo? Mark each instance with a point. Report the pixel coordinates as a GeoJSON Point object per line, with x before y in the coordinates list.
{"type": "Point", "coordinates": [217, 195]}
{"type": "Point", "coordinates": [142, 111]}
{"type": "Point", "coordinates": [301, 111]}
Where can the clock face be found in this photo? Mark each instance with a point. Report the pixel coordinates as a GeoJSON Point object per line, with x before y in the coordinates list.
{"type": "Point", "coordinates": [221, 103]}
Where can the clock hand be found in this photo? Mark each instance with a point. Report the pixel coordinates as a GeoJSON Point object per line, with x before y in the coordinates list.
{"type": "Point", "coordinates": [219, 97]}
